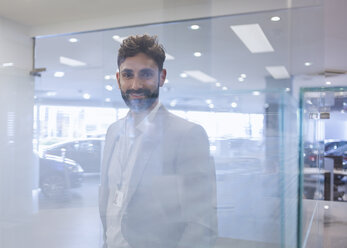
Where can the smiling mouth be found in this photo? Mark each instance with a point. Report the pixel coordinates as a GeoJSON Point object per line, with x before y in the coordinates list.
{"type": "Point", "coordinates": [137, 95]}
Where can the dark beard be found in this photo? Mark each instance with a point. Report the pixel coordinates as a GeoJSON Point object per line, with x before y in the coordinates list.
{"type": "Point", "coordinates": [139, 105]}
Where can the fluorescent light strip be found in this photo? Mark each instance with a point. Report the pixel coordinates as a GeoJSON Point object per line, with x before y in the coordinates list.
{"type": "Point", "coordinates": [8, 64]}
{"type": "Point", "coordinates": [199, 75]}
{"type": "Point", "coordinates": [71, 62]}
{"type": "Point", "coordinates": [253, 37]}
{"type": "Point", "coordinates": [278, 72]}
{"type": "Point", "coordinates": [169, 57]}
{"type": "Point", "coordinates": [118, 38]}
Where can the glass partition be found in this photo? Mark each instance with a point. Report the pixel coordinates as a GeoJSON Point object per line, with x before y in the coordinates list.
{"type": "Point", "coordinates": [241, 92]}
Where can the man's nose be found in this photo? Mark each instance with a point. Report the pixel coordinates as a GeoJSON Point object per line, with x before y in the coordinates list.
{"type": "Point", "coordinates": [136, 83]}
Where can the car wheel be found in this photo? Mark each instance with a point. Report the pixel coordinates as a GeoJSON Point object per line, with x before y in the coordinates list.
{"type": "Point", "coordinates": [53, 186]}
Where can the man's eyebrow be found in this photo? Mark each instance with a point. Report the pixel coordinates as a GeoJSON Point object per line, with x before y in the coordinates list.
{"type": "Point", "coordinates": [147, 70]}
{"type": "Point", "coordinates": [126, 70]}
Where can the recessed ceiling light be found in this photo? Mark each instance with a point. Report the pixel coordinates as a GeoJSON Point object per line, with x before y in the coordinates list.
{"type": "Point", "coordinates": [71, 62]}
{"type": "Point", "coordinates": [183, 75]}
{"type": "Point", "coordinates": [73, 40]}
{"type": "Point", "coordinates": [109, 87]}
{"type": "Point", "coordinates": [107, 77]}
{"type": "Point", "coordinates": [8, 64]}
{"type": "Point", "coordinates": [241, 79]}
{"type": "Point", "coordinates": [59, 74]}
{"type": "Point", "coordinates": [108, 100]}
{"type": "Point", "coordinates": [243, 75]}
{"type": "Point", "coordinates": [218, 84]}
{"type": "Point", "coordinates": [173, 103]}
{"type": "Point", "coordinates": [308, 63]}
{"type": "Point", "coordinates": [328, 82]}
{"type": "Point", "coordinates": [326, 207]}
{"type": "Point", "coordinates": [194, 27]}
{"type": "Point", "coordinates": [211, 106]}
{"type": "Point", "coordinates": [225, 88]}
{"type": "Point", "coordinates": [278, 72]}
{"type": "Point", "coordinates": [201, 76]}
{"type": "Point", "coordinates": [275, 18]}
{"type": "Point", "coordinates": [287, 89]}
{"type": "Point", "coordinates": [253, 38]}
{"type": "Point", "coordinates": [208, 101]}
{"type": "Point", "coordinates": [213, 148]}
{"type": "Point", "coordinates": [233, 104]}
{"type": "Point", "coordinates": [51, 93]}
{"type": "Point", "coordinates": [86, 96]}
{"type": "Point", "coordinates": [256, 93]}
{"type": "Point", "coordinates": [197, 54]}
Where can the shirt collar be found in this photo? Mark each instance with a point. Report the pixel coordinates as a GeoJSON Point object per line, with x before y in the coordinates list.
{"type": "Point", "coordinates": [143, 125]}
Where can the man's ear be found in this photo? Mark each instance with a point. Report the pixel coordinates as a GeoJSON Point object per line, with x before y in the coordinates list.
{"type": "Point", "coordinates": [118, 79]}
{"type": "Point", "coordinates": [162, 77]}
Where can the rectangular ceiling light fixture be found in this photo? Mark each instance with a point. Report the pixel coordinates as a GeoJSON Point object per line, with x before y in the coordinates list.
{"type": "Point", "coordinates": [71, 62]}
{"type": "Point", "coordinates": [169, 57]}
{"type": "Point", "coordinates": [253, 37]}
{"type": "Point", "coordinates": [199, 75]}
{"type": "Point", "coordinates": [118, 38]}
{"type": "Point", "coordinates": [278, 72]}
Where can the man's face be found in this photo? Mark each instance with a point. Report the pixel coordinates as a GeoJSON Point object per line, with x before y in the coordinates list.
{"type": "Point", "coordinates": [139, 80]}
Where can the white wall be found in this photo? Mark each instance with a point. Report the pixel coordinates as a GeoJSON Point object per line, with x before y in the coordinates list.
{"type": "Point", "coordinates": [16, 115]}
{"type": "Point", "coordinates": [336, 126]}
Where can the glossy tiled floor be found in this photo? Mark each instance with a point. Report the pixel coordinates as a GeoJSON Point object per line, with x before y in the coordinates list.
{"type": "Point", "coordinates": [335, 225]}
{"type": "Point", "coordinates": [74, 223]}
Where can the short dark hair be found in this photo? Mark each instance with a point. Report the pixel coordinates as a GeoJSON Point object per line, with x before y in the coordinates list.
{"type": "Point", "coordinates": [146, 44]}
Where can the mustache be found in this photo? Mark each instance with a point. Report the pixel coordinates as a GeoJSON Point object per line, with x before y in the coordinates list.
{"type": "Point", "coordinates": [139, 91]}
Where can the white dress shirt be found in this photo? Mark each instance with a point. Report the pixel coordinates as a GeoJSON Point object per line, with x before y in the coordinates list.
{"type": "Point", "coordinates": [124, 154]}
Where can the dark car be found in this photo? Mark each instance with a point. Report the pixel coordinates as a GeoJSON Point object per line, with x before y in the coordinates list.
{"type": "Point", "coordinates": [333, 145]}
{"type": "Point", "coordinates": [339, 155]}
{"type": "Point", "coordinates": [86, 152]}
{"type": "Point", "coordinates": [58, 174]}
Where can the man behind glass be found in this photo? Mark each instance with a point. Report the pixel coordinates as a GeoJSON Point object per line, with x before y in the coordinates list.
{"type": "Point", "coordinates": [157, 180]}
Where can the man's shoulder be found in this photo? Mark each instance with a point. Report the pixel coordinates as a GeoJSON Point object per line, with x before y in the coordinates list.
{"type": "Point", "coordinates": [115, 127]}
{"type": "Point", "coordinates": [178, 123]}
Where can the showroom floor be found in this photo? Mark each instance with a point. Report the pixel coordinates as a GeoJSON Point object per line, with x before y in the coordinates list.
{"type": "Point", "coordinates": [73, 222]}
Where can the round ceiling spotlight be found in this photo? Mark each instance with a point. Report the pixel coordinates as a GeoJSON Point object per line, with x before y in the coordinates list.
{"type": "Point", "coordinates": [197, 54]}
{"type": "Point", "coordinates": [59, 74]}
{"type": "Point", "coordinates": [275, 18]}
{"type": "Point", "coordinates": [183, 75]}
{"type": "Point", "coordinates": [73, 40]}
{"type": "Point", "coordinates": [233, 104]}
{"type": "Point", "coordinates": [194, 27]}
{"type": "Point", "coordinates": [109, 87]}
{"type": "Point", "coordinates": [86, 96]}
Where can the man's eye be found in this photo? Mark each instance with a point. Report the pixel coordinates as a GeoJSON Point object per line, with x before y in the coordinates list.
{"type": "Point", "coordinates": [146, 74]}
{"type": "Point", "coordinates": [127, 75]}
